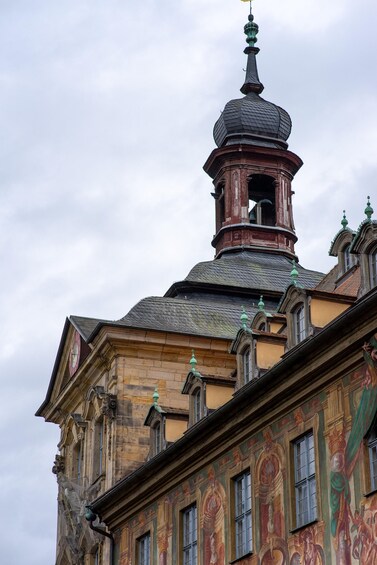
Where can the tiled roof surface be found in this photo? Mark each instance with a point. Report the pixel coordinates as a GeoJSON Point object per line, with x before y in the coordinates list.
{"type": "Point", "coordinates": [262, 271]}
{"type": "Point", "coordinates": [208, 314]}
{"type": "Point", "coordinates": [347, 287]}
{"type": "Point", "coordinates": [218, 318]}
{"type": "Point", "coordinates": [85, 326]}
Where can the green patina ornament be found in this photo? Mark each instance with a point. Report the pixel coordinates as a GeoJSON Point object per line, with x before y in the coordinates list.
{"type": "Point", "coordinates": [251, 31]}
{"type": "Point", "coordinates": [294, 273]}
{"type": "Point", "coordinates": [244, 318]}
{"type": "Point", "coordinates": [261, 304]}
{"type": "Point", "coordinates": [156, 397]}
{"type": "Point", "coordinates": [344, 221]}
{"type": "Point", "coordinates": [368, 210]}
{"type": "Point", "coordinates": [193, 362]}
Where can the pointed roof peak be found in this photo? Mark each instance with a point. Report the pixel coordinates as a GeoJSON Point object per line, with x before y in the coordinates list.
{"type": "Point", "coordinates": [252, 82]}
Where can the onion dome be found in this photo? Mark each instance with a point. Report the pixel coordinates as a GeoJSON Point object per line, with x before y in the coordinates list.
{"type": "Point", "coordinates": [251, 119]}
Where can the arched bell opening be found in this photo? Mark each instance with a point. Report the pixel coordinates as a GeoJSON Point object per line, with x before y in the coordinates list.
{"type": "Point", "coordinates": [262, 200]}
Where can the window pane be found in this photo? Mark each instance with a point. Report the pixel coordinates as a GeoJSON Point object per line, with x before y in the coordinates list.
{"type": "Point", "coordinates": [190, 536]}
{"type": "Point", "coordinates": [242, 514]}
{"type": "Point", "coordinates": [305, 484]}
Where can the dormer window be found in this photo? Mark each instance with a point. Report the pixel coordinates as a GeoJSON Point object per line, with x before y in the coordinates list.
{"type": "Point", "coordinates": [299, 325]}
{"type": "Point", "coordinates": [347, 260]}
{"type": "Point", "coordinates": [246, 365]}
{"type": "Point", "coordinates": [373, 267]}
{"type": "Point", "coordinates": [157, 438]}
{"type": "Point", "coordinates": [197, 405]}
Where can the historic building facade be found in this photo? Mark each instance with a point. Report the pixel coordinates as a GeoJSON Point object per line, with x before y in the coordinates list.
{"type": "Point", "coordinates": [233, 419]}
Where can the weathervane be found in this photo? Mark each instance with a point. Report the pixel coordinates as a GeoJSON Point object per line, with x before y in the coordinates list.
{"type": "Point", "coordinates": [250, 1]}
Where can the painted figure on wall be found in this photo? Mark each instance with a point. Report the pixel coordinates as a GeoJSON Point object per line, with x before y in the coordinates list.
{"type": "Point", "coordinates": [344, 456]}
{"type": "Point", "coordinates": [213, 513]}
{"type": "Point", "coordinates": [307, 546]}
{"type": "Point", "coordinates": [270, 496]}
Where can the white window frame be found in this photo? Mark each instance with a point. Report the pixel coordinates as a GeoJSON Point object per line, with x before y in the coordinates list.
{"type": "Point", "coordinates": [299, 323]}
{"type": "Point", "coordinates": [305, 486]}
{"type": "Point", "coordinates": [243, 533]}
{"type": "Point", "coordinates": [190, 535]}
{"type": "Point", "coordinates": [373, 267]}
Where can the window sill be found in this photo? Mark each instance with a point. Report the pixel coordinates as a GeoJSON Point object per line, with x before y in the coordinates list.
{"type": "Point", "coordinates": [241, 558]}
{"type": "Point", "coordinates": [299, 528]}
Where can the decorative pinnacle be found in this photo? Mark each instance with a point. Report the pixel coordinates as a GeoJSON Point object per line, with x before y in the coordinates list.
{"type": "Point", "coordinates": [252, 82]}
{"type": "Point", "coordinates": [244, 318]}
{"type": "Point", "coordinates": [156, 396]}
{"type": "Point", "coordinates": [193, 362]}
{"type": "Point", "coordinates": [294, 273]}
{"type": "Point", "coordinates": [368, 210]}
{"type": "Point", "coordinates": [344, 221]}
{"type": "Point", "coordinates": [261, 304]}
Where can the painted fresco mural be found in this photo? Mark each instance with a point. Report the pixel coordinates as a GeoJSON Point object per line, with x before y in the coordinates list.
{"type": "Point", "coordinates": [346, 534]}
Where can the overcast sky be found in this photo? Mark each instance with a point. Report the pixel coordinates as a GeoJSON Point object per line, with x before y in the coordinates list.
{"type": "Point", "coordinates": [107, 110]}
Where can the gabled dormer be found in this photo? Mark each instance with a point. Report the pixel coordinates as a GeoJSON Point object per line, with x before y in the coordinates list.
{"type": "Point", "coordinates": [309, 310]}
{"type": "Point", "coordinates": [206, 392]}
{"type": "Point", "coordinates": [166, 425]}
{"type": "Point", "coordinates": [258, 346]}
{"type": "Point", "coordinates": [341, 248]}
{"type": "Point", "coordinates": [365, 245]}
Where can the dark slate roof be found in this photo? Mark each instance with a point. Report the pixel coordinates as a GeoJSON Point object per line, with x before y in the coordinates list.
{"type": "Point", "coordinates": [216, 317]}
{"type": "Point", "coordinates": [252, 120]}
{"type": "Point", "coordinates": [85, 326]}
{"type": "Point", "coordinates": [253, 271]}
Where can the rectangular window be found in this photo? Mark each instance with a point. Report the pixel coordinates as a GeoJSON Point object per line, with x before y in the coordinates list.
{"type": "Point", "coordinates": [197, 402]}
{"type": "Point", "coordinates": [98, 448]}
{"type": "Point", "coordinates": [144, 550]}
{"type": "Point", "coordinates": [242, 515]}
{"type": "Point", "coordinates": [190, 539]}
{"type": "Point", "coordinates": [246, 366]}
{"type": "Point", "coordinates": [305, 482]}
{"type": "Point", "coordinates": [299, 320]}
{"type": "Point", "coordinates": [157, 438]}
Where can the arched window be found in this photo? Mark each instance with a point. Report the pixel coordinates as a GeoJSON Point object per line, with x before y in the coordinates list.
{"type": "Point", "coordinates": [299, 325]}
{"type": "Point", "coordinates": [197, 405]}
{"type": "Point", "coordinates": [262, 327]}
{"type": "Point", "coordinates": [262, 205]}
{"type": "Point", "coordinates": [373, 267]}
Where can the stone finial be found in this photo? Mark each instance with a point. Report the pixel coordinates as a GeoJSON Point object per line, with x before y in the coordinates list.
{"type": "Point", "coordinates": [294, 273]}
{"type": "Point", "coordinates": [344, 221]}
{"type": "Point", "coordinates": [244, 318]}
{"type": "Point", "coordinates": [368, 210]}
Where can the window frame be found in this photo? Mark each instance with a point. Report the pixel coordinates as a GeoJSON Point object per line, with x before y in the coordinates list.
{"type": "Point", "coordinates": [143, 552]}
{"type": "Point", "coordinates": [372, 267]}
{"type": "Point", "coordinates": [307, 480]}
{"type": "Point", "coordinates": [99, 448]}
{"type": "Point", "coordinates": [157, 435]}
{"type": "Point", "coordinates": [299, 323]}
{"type": "Point", "coordinates": [247, 366]}
{"type": "Point", "coordinates": [242, 514]}
{"type": "Point", "coordinates": [189, 547]}
{"type": "Point", "coordinates": [197, 404]}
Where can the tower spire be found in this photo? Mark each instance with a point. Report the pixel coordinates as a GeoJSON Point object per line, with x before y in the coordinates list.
{"type": "Point", "coordinates": [252, 82]}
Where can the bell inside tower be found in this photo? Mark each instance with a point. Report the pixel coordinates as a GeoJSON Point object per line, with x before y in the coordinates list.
{"type": "Point", "coordinates": [262, 201]}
